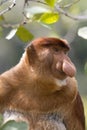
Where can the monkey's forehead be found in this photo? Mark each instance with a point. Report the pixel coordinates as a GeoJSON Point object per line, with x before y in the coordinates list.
{"type": "Point", "coordinates": [50, 41]}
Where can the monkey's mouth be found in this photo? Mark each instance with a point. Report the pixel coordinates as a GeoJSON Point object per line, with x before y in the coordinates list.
{"type": "Point", "coordinates": [61, 74]}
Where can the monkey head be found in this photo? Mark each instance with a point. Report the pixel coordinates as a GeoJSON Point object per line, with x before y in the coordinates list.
{"type": "Point", "coordinates": [49, 57]}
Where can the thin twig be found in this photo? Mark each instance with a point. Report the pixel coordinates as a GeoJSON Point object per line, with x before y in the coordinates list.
{"type": "Point", "coordinates": [78, 17]}
{"type": "Point", "coordinates": [71, 33]}
{"type": "Point", "coordinates": [9, 8]}
{"type": "Point", "coordinates": [38, 1]}
{"type": "Point", "coordinates": [70, 4]}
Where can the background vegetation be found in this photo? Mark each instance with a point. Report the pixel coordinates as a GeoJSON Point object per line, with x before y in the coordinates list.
{"type": "Point", "coordinates": [22, 21]}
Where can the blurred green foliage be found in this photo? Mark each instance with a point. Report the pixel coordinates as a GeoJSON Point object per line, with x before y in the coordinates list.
{"type": "Point", "coordinates": [12, 125]}
{"type": "Point", "coordinates": [49, 18]}
{"type": "Point", "coordinates": [24, 34]}
{"type": "Point", "coordinates": [51, 2]}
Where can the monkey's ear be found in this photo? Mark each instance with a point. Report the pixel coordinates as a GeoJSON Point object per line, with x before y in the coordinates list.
{"type": "Point", "coordinates": [66, 44]}
{"type": "Point", "coordinates": [31, 54]}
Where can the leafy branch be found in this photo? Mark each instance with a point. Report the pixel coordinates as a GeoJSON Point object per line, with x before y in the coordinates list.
{"type": "Point", "coordinates": [62, 11]}
{"type": "Point", "coordinates": [8, 8]}
{"type": "Point", "coordinates": [47, 14]}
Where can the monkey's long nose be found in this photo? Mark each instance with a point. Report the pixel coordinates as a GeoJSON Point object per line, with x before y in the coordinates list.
{"type": "Point", "coordinates": [68, 68]}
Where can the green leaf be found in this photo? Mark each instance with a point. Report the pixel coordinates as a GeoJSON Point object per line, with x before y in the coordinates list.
{"type": "Point", "coordinates": [12, 125]}
{"type": "Point", "coordinates": [11, 34]}
{"type": "Point", "coordinates": [51, 2]}
{"type": "Point", "coordinates": [24, 34]}
{"type": "Point", "coordinates": [37, 16]}
{"type": "Point", "coordinates": [82, 32]}
{"type": "Point", "coordinates": [37, 9]}
{"type": "Point", "coordinates": [49, 18]}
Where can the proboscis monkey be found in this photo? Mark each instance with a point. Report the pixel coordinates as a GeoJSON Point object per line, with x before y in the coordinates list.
{"type": "Point", "coordinates": [42, 87]}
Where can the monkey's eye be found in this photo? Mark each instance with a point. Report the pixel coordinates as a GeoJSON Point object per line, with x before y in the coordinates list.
{"type": "Point", "coordinates": [65, 52]}
{"type": "Point", "coordinates": [55, 49]}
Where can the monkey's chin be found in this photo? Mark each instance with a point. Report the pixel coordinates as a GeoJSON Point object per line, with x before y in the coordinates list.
{"type": "Point", "coordinates": [61, 82]}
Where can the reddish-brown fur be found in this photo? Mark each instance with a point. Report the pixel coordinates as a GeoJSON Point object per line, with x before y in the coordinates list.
{"type": "Point", "coordinates": [42, 87]}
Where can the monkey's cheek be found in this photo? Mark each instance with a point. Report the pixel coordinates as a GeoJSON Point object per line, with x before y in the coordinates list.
{"type": "Point", "coordinates": [68, 68]}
